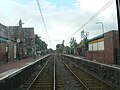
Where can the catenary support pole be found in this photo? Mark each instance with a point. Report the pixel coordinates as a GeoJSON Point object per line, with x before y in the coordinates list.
{"type": "Point", "coordinates": [118, 17]}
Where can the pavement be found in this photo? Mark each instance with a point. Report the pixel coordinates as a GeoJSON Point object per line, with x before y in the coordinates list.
{"type": "Point", "coordinates": [81, 57]}
{"type": "Point", "coordinates": [10, 67]}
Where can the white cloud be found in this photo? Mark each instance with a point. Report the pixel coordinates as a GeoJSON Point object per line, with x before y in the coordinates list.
{"type": "Point", "coordinates": [91, 5]}
{"type": "Point", "coordinates": [108, 16]}
{"type": "Point", "coordinates": [60, 24]}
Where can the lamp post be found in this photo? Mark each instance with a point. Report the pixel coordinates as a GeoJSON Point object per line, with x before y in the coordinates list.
{"type": "Point", "coordinates": [103, 36]}
{"type": "Point", "coordinates": [19, 40]}
{"type": "Point", "coordinates": [102, 26]}
{"type": "Point", "coordinates": [18, 50]}
{"type": "Point", "coordinates": [22, 41]}
{"type": "Point", "coordinates": [6, 53]}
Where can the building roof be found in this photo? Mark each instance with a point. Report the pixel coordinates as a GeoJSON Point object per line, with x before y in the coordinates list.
{"type": "Point", "coordinates": [101, 36]}
{"type": "Point", "coordinates": [5, 34]}
{"type": "Point", "coordinates": [4, 39]}
{"type": "Point", "coordinates": [28, 32]}
{"type": "Point", "coordinates": [95, 38]}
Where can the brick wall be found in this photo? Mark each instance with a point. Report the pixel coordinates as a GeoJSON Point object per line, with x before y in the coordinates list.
{"type": "Point", "coordinates": [95, 55]}
{"type": "Point", "coordinates": [11, 51]}
{"type": "Point", "coordinates": [3, 51]}
{"type": "Point", "coordinates": [111, 42]}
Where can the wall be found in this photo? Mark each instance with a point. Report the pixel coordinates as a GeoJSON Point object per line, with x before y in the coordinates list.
{"type": "Point", "coordinates": [111, 42]}
{"type": "Point", "coordinates": [11, 51]}
{"type": "Point", "coordinates": [3, 52]}
{"type": "Point", "coordinates": [96, 45]}
{"type": "Point", "coordinates": [95, 56]}
{"type": "Point", "coordinates": [108, 73]}
{"type": "Point", "coordinates": [96, 50]}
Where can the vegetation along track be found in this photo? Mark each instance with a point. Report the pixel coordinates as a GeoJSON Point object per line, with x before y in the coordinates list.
{"type": "Point", "coordinates": [90, 81]}
{"type": "Point", "coordinates": [44, 80]}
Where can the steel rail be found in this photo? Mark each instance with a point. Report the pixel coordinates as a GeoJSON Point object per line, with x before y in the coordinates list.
{"type": "Point", "coordinates": [76, 76]}
{"type": "Point", "coordinates": [37, 75]}
{"type": "Point", "coordinates": [54, 73]}
{"type": "Point", "coordinates": [92, 75]}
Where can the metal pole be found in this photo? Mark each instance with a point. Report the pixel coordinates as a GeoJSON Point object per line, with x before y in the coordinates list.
{"type": "Point", "coordinates": [102, 26]}
{"type": "Point", "coordinates": [118, 17]}
{"type": "Point", "coordinates": [103, 37]}
{"type": "Point", "coordinates": [7, 53]}
{"type": "Point", "coordinates": [54, 72]}
{"type": "Point", "coordinates": [104, 40]}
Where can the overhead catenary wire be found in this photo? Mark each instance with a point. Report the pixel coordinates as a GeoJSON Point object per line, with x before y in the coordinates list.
{"type": "Point", "coordinates": [40, 10]}
{"type": "Point", "coordinates": [91, 18]}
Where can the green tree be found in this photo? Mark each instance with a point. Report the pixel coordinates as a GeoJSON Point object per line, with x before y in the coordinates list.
{"type": "Point", "coordinates": [73, 45]}
{"type": "Point", "coordinates": [40, 45]}
{"type": "Point", "coordinates": [59, 48]}
{"type": "Point", "coordinates": [67, 50]}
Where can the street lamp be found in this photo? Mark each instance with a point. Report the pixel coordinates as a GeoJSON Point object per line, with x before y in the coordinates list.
{"type": "Point", "coordinates": [102, 26]}
{"type": "Point", "coordinates": [103, 35]}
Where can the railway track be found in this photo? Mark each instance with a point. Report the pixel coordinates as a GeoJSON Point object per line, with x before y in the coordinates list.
{"type": "Point", "coordinates": [58, 74]}
{"type": "Point", "coordinates": [89, 80]}
{"type": "Point", "coordinates": [44, 79]}
{"type": "Point", "coordinates": [65, 80]}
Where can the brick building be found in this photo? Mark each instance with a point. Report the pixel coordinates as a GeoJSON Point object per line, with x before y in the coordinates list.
{"type": "Point", "coordinates": [14, 39]}
{"type": "Point", "coordinates": [17, 33]}
{"type": "Point", "coordinates": [29, 40]}
{"type": "Point", "coordinates": [24, 39]}
{"type": "Point", "coordinates": [103, 48]}
{"type": "Point", "coordinates": [7, 45]}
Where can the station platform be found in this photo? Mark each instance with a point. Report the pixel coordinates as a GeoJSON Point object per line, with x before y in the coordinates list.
{"type": "Point", "coordinates": [13, 66]}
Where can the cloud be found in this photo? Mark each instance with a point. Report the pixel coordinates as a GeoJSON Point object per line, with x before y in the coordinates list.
{"type": "Point", "coordinates": [61, 23]}
{"type": "Point", "coordinates": [108, 16]}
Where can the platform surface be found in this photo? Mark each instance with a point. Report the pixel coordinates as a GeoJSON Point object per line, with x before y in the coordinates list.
{"type": "Point", "coordinates": [9, 68]}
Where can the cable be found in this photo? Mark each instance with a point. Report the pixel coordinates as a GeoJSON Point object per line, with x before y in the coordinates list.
{"type": "Point", "coordinates": [40, 10]}
{"type": "Point", "coordinates": [95, 15]}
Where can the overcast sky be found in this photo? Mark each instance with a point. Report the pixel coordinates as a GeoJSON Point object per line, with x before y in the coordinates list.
{"type": "Point", "coordinates": [62, 17]}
